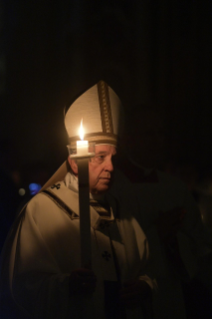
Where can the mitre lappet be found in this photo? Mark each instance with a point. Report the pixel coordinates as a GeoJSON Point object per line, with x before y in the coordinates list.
{"type": "Point", "coordinates": [101, 110]}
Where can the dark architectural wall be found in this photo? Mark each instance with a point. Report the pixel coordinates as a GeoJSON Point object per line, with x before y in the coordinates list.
{"type": "Point", "coordinates": [156, 52]}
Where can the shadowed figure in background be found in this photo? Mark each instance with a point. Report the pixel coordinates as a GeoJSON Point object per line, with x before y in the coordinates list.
{"type": "Point", "coordinates": [179, 243]}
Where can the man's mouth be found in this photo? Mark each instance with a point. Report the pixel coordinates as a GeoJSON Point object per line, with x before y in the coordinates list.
{"type": "Point", "coordinates": [106, 179]}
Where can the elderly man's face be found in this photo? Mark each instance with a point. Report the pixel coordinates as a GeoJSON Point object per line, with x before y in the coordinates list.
{"type": "Point", "coordinates": [101, 168]}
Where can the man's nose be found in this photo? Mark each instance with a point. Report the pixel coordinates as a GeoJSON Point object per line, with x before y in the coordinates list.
{"type": "Point", "coordinates": [109, 166]}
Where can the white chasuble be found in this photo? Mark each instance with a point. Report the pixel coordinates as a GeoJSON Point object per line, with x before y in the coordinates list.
{"type": "Point", "coordinates": [43, 248]}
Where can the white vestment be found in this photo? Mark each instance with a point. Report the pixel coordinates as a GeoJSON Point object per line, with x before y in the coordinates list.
{"type": "Point", "coordinates": [193, 241]}
{"type": "Point", "coordinates": [43, 248]}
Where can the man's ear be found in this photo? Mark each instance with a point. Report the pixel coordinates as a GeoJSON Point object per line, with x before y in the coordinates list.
{"type": "Point", "coordinates": [73, 165]}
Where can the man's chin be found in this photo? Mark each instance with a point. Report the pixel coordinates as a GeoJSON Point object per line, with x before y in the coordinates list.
{"type": "Point", "coordinates": [102, 189]}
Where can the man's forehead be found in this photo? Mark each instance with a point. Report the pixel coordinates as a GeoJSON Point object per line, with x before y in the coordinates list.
{"type": "Point", "coordinates": [105, 148]}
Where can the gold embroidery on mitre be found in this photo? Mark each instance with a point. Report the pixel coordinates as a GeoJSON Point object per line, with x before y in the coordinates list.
{"type": "Point", "coordinates": [105, 107]}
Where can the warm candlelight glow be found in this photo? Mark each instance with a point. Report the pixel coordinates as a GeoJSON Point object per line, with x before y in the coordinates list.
{"type": "Point", "coordinates": [82, 146]}
{"type": "Point", "coordinates": [81, 131]}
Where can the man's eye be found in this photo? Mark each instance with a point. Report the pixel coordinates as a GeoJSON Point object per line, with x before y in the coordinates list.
{"type": "Point", "coordinates": [98, 158]}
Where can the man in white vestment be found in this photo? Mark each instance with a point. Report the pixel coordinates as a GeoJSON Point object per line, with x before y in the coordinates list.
{"type": "Point", "coordinates": [41, 272]}
{"type": "Point", "coordinates": [168, 214]}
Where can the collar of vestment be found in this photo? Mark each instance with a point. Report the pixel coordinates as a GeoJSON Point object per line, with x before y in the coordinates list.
{"type": "Point", "coordinates": [68, 200]}
{"type": "Point", "coordinates": [71, 181]}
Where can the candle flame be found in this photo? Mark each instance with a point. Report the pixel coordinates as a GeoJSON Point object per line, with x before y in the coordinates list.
{"type": "Point", "coordinates": [81, 131]}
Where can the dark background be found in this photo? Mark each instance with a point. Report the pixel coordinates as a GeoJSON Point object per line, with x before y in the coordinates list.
{"type": "Point", "coordinates": [151, 52]}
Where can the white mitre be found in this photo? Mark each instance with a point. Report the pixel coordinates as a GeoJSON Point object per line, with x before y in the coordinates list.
{"type": "Point", "coordinates": [100, 109]}
{"type": "Point", "coordinates": [102, 114]}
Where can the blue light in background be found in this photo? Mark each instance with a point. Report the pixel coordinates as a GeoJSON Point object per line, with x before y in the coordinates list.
{"type": "Point", "coordinates": [34, 188]}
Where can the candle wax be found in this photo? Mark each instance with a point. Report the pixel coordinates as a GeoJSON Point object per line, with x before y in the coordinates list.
{"type": "Point", "coordinates": [82, 147]}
